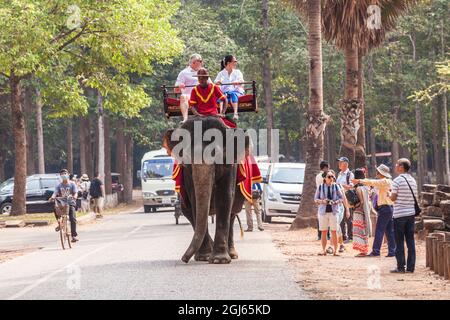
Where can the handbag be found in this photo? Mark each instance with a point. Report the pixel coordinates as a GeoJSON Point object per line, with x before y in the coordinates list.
{"type": "Point", "coordinates": [416, 204]}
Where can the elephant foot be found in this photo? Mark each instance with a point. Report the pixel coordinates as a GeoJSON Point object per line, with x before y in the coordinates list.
{"type": "Point", "coordinates": [220, 258]}
{"type": "Point", "coordinates": [202, 256]}
{"type": "Point", "coordinates": [185, 258]}
{"type": "Point", "coordinates": [233, 253]}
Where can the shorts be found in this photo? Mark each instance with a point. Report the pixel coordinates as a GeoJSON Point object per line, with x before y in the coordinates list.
{"type": "Point", "coordinates": [327, 220]}
{"type": "Point", "coordinates": [98, 202]}
{"type": "Point", "coordinates": [233, 96]}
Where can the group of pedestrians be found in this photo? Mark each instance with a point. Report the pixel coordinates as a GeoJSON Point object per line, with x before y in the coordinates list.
{"type": "Point", "coordinates": [345, 203]}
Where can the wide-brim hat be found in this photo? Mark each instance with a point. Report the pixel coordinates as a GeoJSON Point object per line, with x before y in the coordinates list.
{"type": "Point", "coordinates": [85, 177]}
{"type": "Point", "coordinates": [384, 170]}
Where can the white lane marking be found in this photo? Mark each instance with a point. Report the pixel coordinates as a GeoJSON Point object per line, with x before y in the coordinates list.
{"type": "Point", "coordinates": [78, 260]}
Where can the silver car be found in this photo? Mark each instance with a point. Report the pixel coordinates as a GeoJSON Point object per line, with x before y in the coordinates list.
{"type": "Point", "coordinates": [283, 190]}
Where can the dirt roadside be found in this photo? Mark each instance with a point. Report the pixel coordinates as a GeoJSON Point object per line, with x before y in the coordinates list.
{"type": "Point", "coordinates": [347, 277]}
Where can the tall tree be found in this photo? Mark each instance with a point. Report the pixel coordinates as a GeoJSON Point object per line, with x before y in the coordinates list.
{"type": "Point", "coordinates": [267, 74]}
{"type": "Point", "coordinates": [39, 133]}
{"type": "Point", "coordinates": [306, 215]}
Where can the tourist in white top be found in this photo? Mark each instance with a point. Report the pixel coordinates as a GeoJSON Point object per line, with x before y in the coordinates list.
{"type": "Point", "coordinates": [186, 81]}
{"type": "Point", "coordinates": [404, 190]}
{"type": "Point", "coordinates": [233, 80]}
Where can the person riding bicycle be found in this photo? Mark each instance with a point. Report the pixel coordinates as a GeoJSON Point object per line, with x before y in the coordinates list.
{"type": "Point", "coordinates": [67, 189]}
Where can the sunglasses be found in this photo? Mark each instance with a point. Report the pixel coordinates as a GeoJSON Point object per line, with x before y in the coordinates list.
{"type": "Point", "coordinates": [330, 177]}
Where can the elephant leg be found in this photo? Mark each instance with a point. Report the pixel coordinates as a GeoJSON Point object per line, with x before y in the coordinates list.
{"type": "Point", "coordinates": [203, 177]}
{"type": "Point", "coordinates": [205, 250]}
{"type": "Point", "coordinates": [223, 202]}
{"type": "Point", "coordinates": [231, 249]}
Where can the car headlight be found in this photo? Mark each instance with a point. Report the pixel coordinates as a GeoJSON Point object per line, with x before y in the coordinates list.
{"type": "Point", "coordinates": [149, 194]}
{"type": "Point", "coordinates": [272, 195]}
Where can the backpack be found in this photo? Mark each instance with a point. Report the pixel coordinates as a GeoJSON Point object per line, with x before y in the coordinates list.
{"type": "Point", "coordinates": [352, 197]}
{"type": "Point", "coordinates": [94, 189]}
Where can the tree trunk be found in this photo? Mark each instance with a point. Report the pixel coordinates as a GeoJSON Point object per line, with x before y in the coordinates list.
{"type": "Point", "coordinates": [395, 145]}
{"type": "Point", "coordinates": [90, 141]}
{"type": "Point", "coordinates": [445, 112]}
{"type": "Point", "coordinates": [360, 151]}
{"type": "Point", "coordinates": [120, 153]}
{"type": "Point", "coordinates": [83, 141]}
{"type": "Point", "coordinates": [69, 145]}
{"type": "Point", "coordinates": [421, 158]}
{"type": "Point", "coordinates": [40, 133]}
{"type": "Point", "coordinates": [350, 106]}
{"type": "Point", "coordinates": [28, 111]}
{"type": "Point", "coordinates": [438, 159]}
{"type": "Point", "coordinates": [373, 152]}
{"type": "Point", "coordinates": [306, 215]}
{"type": "Point", "coordinates": [446, 147]}
{"type": "Point", "coordinates": [128, 169]}
{"type": "Point", "coordinates": [101, 139]}
{"type": "Point", "coordinates": [20, 147]}
{"type": "Point", "coordinates": [108, 181]}
{"type": "Point", "coordinates": [267, 75]}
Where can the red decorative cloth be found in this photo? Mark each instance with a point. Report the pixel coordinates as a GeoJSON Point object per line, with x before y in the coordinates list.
{"type": "Point", "coordinates": [247, 174]}
{"type": "Point", "coordinates": [205, 99]}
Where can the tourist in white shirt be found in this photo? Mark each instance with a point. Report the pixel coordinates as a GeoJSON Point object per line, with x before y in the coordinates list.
{"type": "Point", "coordinates": [186, 81]}
{"type": "Point", "coordinates": [404, 194]}
{"type": "Point", "coordinates": [233, 79]}
{"type": "Point", "coordinates": [344, 178]}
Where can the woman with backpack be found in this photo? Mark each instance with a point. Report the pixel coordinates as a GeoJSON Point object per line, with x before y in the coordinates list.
{"type": "Point", "coordinates": [359, 200]}
{"type": "Point", "coordinates": [328, 197]}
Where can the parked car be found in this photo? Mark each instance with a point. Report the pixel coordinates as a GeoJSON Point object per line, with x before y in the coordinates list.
{"type": "Point", "coordinates": [283, 190]}
{"type": "Point", "coordinates": [39, 189]}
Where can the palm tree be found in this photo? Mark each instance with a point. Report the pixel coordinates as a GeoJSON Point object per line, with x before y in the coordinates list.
{"type": "Point", "coordinates": [347, 24]}
{"type": "Point", "coordinates": [317, 120]}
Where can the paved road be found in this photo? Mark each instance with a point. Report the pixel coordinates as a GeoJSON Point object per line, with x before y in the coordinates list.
{"type": "Point", "coordinates": [137, 256]}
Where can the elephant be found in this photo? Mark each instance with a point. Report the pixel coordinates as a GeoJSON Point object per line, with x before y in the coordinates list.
{"type": "Point", "coordinates": [210, 189]}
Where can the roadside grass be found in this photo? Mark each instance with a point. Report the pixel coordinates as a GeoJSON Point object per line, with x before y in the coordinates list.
{"type": "Point", "coordinates": [30, 217]}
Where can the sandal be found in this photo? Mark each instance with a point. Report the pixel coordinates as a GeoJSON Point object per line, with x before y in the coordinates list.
{"type": "Point", "coordinates": [322, 254]}
{"type": "Point", "coordinates": [336, 254]}
{"type": "Point", "coordinates": [361, 255]}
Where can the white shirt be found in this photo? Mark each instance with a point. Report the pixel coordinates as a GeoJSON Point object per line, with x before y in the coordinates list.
{"type": "Point", "coordinates": [186, 76]}
{"type": "Point", "coordinates": [319, 179]}
{"type": "Point", "coordinates": [342, 178]}
{"type": "Point", "coordinates": [225, 77]}
{"type": "Point", "coordinates": [404, 205]}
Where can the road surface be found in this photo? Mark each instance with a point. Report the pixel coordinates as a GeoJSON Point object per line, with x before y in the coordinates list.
{"type": "Point", "coordinates": [137, 256]}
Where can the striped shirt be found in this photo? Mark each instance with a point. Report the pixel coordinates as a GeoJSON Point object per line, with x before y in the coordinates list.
{"type": "Point", "coordinates": [404, 205]}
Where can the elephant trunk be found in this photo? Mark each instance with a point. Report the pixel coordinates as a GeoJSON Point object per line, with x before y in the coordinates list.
{"type": "Point", "coordinates": [203, 179]}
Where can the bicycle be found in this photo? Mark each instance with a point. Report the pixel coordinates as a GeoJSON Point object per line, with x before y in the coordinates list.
{"type": "Point", "coordinates": [62, 212]}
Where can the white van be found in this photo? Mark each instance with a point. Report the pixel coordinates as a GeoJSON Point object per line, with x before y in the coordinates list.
{"type": "Point", "coordinates": [283, 190]}
{"type": "Point", "coordinates": [158, 188]}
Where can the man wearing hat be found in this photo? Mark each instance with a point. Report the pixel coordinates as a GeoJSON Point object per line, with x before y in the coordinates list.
{"type": "Point", "coordinates": [344, 178]}
{"type": "Point", "coordinates": [205, 95]}
{"type": "Point", "coordinates": [385, 223]}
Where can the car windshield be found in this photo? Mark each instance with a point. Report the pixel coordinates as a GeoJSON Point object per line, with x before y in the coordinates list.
{"type": "Point", "coordinates": [157, 168]}
{"type": "Point", "coordinates": [288, 175]}
{"type": "Point", "coordinates": [7, 186]}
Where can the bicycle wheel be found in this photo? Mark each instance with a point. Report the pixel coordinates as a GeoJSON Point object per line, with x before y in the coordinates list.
{"type": "Point", "coordinates": [61, 231]}
{"type": "Point", "coordinates": [68, 233]}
